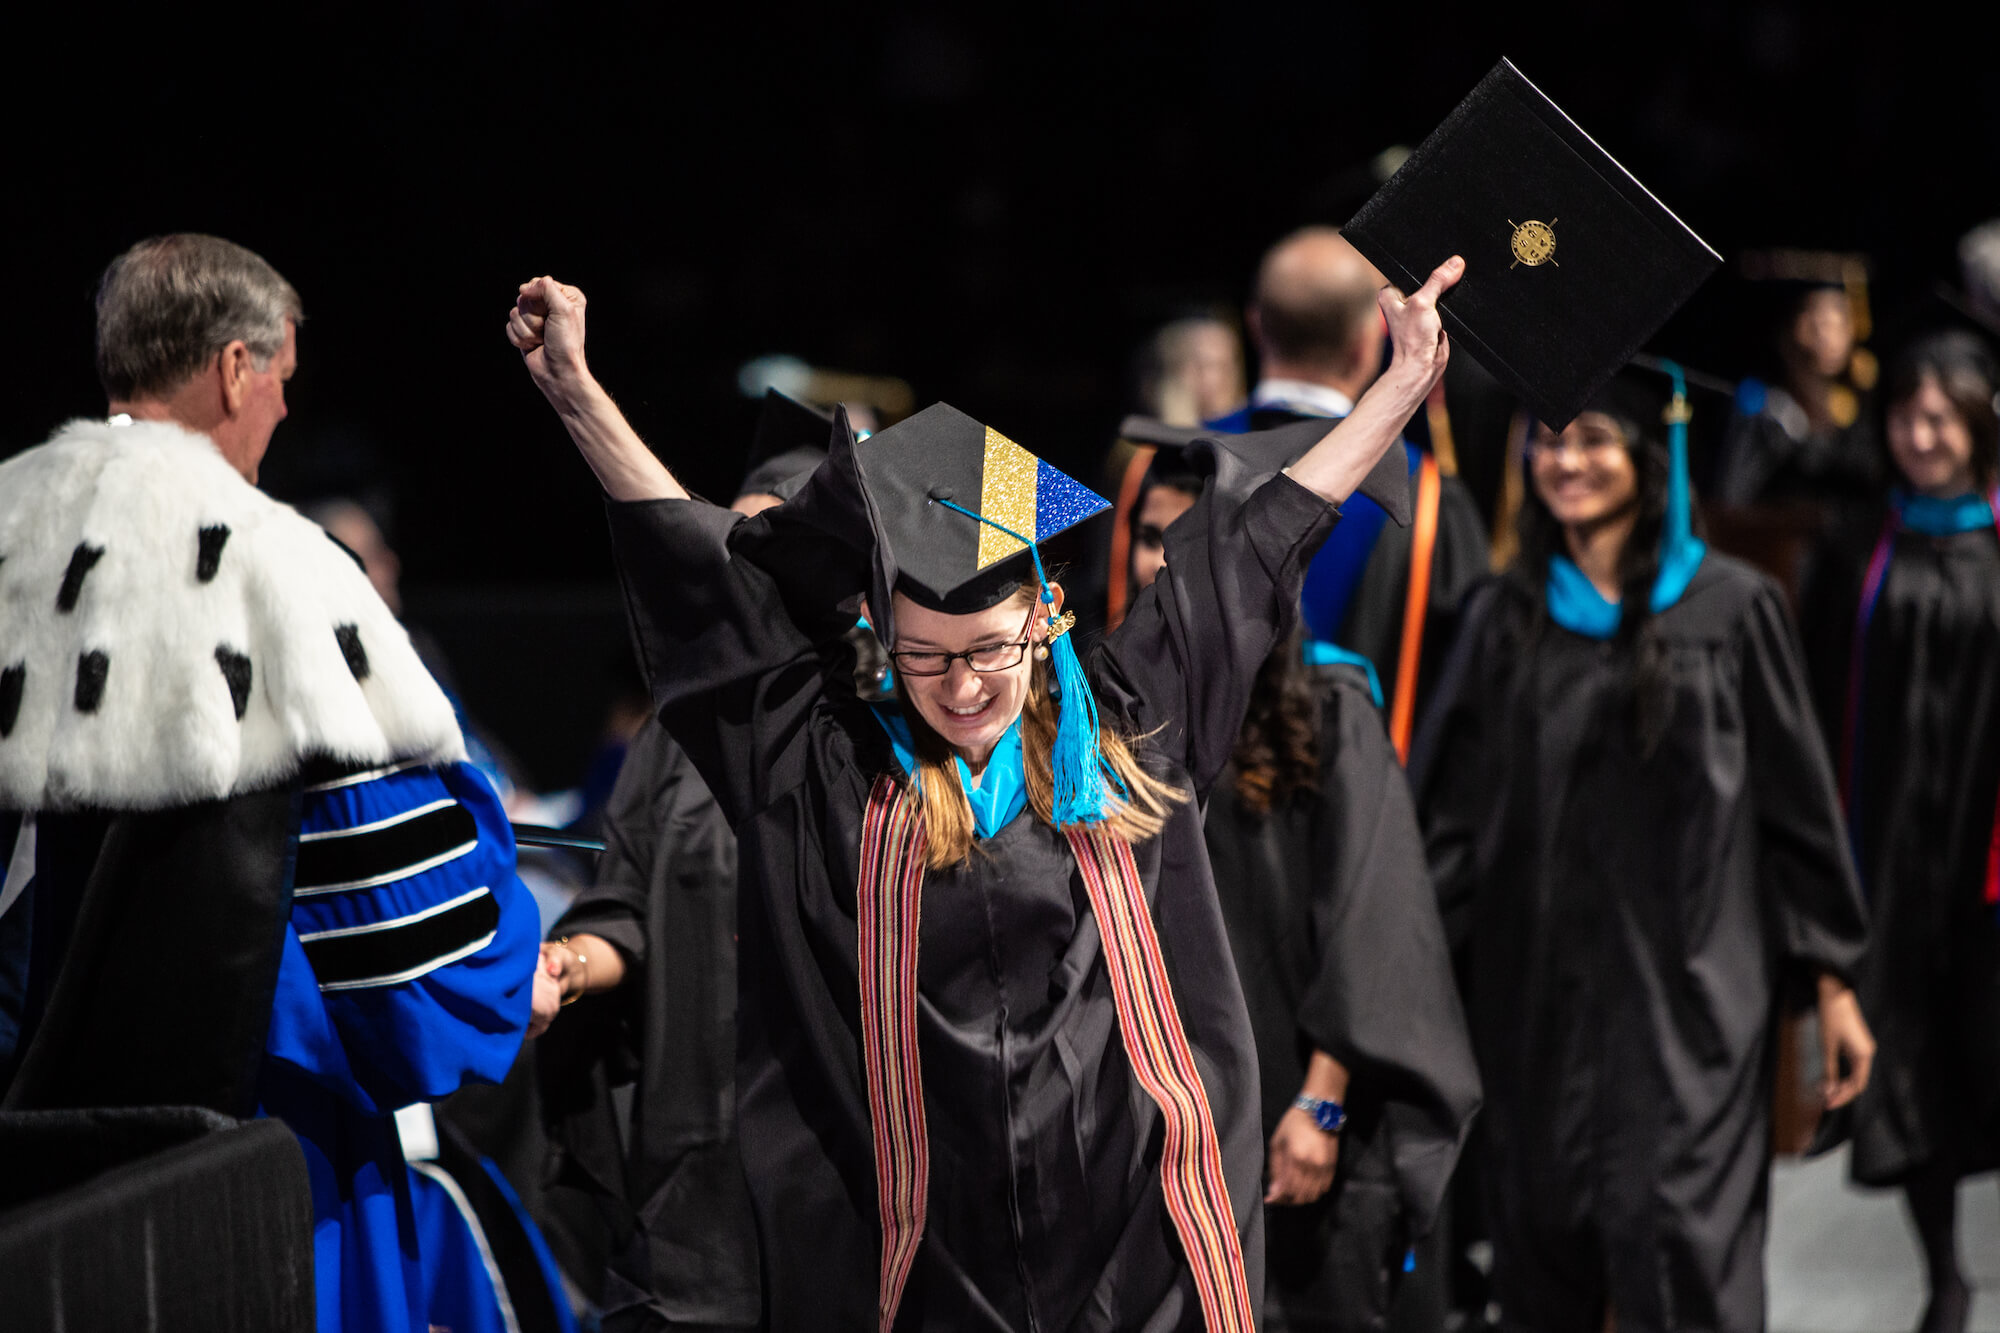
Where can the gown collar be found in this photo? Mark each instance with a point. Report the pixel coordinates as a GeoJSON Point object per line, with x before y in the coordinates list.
{"type": "Point", "coordinates": [1318, 652]}
{"type": "Point", "coordinates": [1577, 605]}
{"type": "Point", "coordinates": [1942, 518]}
{"type": "Point", "coordinates": [1002, 792]}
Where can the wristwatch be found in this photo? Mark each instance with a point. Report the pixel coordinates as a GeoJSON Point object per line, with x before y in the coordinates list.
{"type": "Point", "coordinates": [1328, 1114]}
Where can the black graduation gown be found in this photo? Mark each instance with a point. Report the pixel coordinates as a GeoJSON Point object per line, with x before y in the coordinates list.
{"type": "Point", "coordinates": [1335, 929]}
{"type": "Point", "coordinates": [1631, 921]}
{"type": "Point", "coordinates": [668, 1180]}
{"type": "Point", "coordinates": [1373, 625]}
{"type": "Point", "coordinates": [1928, 769]}
{"type": "Point", "coordinates": [1045, 1207]}
{"type": "Point", "coordinates": [1764, 462]}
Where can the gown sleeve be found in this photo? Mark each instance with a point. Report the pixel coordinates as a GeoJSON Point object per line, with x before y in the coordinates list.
{"type": "Point", "coordinates": [1182, 663]}
{"type": "Point", "coordinates": [1827, 609]}
{"type": "Point", "coordinates": [408, 961]}
{"type": "Point", "coordinates": [1384, 1001]}
{"type": "Point", "coordinates": [614, 907]}
{"type": "Point", "coordinates": [738, 628]}
{"type": "Point", "coordinates": [1805, 865]}
{"type": "Point", "coordinates": [1451, 762]}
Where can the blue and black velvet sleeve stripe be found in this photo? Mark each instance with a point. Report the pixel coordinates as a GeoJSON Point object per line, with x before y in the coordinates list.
{"type": "Point", "coordinates": [383, 953]}
{"type": "Point", "coordinates": [397, 847]}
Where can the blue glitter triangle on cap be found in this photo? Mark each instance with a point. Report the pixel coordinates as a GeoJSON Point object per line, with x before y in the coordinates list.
{"type": "Point", "coordinates": [1061, 501]}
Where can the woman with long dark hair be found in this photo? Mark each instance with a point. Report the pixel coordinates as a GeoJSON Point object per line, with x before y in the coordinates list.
{"type": "Point", "coordinates": [994, 1069]}
{"type": "Point", "coordinates": [1366, 1069]}
{"type": "Point", "coordinates": [1632, 819]}
{"type": "Point", "coordinates": [1904, 623]}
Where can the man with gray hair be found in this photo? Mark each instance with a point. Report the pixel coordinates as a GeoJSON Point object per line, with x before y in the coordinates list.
{"type": "Point", "coordinates": [259, 877]}
{"type": "Point", "coordinates": [199, 331]}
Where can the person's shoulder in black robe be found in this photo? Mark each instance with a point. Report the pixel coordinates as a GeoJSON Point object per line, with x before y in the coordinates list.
{"type": "Point", "coordinates": [1373, 624]}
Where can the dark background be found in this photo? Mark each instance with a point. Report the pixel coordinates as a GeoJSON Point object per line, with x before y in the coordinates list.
{"type": "Point", "coordinates": [994, 202]}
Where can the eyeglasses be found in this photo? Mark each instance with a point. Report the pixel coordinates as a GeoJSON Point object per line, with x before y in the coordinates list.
{"type": "Point", "coordinates": [985, 658]}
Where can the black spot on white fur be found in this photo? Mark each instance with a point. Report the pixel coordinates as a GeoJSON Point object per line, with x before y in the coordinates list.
{"type": "Point", "coordinates": [351, 649]}
{"type": "Point", "coordinates": [91, 669]}
{"type": "Point", "coordinates": [13, 683]}
{"type": "Point", "coordinates": [80, 562]}
{"type": "Point", "coordinates": [208, 554]}
{"type": "Point", "coordinates": [236, 670]}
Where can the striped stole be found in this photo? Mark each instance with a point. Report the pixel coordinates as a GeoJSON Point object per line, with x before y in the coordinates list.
{"type": "Point", "coordinates": [886, 908]}
{"type": "Point", "coordinates": [888, 905]}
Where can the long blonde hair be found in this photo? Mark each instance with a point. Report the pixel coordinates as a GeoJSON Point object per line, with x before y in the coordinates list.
{"type": "Point", "coordinates": [948, 822]}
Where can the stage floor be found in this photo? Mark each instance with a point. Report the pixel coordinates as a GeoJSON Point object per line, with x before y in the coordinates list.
{"type": "Point", "coordinates": [1843, 1260]}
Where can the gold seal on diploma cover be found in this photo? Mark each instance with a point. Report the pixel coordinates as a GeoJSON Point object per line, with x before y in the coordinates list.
{"type": "Point", "coordinates": [1534, 243]}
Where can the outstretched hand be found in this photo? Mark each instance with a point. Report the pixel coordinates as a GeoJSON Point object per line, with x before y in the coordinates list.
{"type": "Point", "coordinates": [546, 324]}
{"type": "Point", "coordinates": [1416, 332]}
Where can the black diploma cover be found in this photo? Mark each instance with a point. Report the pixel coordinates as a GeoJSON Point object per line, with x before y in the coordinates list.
{"type": "Point", "coordinates": [1571, 263]}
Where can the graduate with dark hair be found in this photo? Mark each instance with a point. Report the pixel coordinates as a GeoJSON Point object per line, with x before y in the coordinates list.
{"type": "Point", "coordinates": [1368, 1079]}
{"type": "Point", "coordinates": [1903, 620]}
{"type": "Point", "coordinates": [994, 1069]}
{"type": "Point", "coordinates": [1633, 820]}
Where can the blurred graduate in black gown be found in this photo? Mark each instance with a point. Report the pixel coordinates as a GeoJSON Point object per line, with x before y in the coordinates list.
{"type": "Point", "coordinates": [1806, 431]}
{"type": "Point", "coordinates": [1333, 922]}
{"type": "Point", "coordinates": [1632, 817]}
{"type": "Point", "coordinates": [1903, 625]}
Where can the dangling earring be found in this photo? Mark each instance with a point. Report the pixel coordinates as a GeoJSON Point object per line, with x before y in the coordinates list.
{"type": "Point", "coordinates": [1041, 652]}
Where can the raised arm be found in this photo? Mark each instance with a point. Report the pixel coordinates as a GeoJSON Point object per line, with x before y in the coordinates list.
{"type": "Point", "coordinates": [547, 325]}
{"type": "Point", "coordinates": [1336, 465]}
{"type": "Point", "coordinates": [1182, 663]}
{"type": "Point", "coordinates": [730, 617]}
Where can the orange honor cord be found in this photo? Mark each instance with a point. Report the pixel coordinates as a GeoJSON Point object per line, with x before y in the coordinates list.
{"type": "Point", "coordinates": [1416, 606]}
{"type": "Point", "coordinates": [1117, 594]}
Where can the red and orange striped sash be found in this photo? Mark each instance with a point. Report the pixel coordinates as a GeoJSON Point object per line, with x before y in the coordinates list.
{"type": "Point", "coordinates": [1191, 1165]}
{"type": "Point", "coordinates": [888, 910]}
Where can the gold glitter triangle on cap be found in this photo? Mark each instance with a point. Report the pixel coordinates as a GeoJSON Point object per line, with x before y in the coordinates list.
{"type": "Point", "coordinates": [1007, 496]}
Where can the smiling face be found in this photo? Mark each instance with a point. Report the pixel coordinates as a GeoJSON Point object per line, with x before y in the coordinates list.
{"type": "Point", "coordinates": [1586, 474]}
{"type": "Point", "coordinates": [970, 709]}
{"type": "Point", "coordinates": [1931, 442]}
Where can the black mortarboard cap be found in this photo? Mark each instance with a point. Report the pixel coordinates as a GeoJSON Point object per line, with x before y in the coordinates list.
{"type": "Point", "coordinates": [1571, 263]}
{"type": "Point", "coordinates": [1387, 485]}
{"type": "Point", "coordinates": [791, 441]}
{"type": "Point", "coordinates": [913, 473]}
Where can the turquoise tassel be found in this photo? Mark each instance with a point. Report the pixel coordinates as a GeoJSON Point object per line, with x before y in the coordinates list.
{"type": "Point", "coordinates": [1077, 763]}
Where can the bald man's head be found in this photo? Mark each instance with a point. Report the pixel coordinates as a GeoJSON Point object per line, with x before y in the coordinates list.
{"type": "Point", "coordinates": [1314, 314]}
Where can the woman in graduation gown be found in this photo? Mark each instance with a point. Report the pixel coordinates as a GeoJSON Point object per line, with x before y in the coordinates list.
{"type": "Point", "coordinates": [1903, 624]}
{"type": "Point", "coordinates": [1033, 1103]}
{"type": "Point", "coordinates": [1631, 815]}
{"type": "Point", "coordinates": [1368, 1078]}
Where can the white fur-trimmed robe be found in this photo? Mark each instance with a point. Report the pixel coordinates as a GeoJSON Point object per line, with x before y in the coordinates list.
{"type": "Point", "coordinates": [165, 728]}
